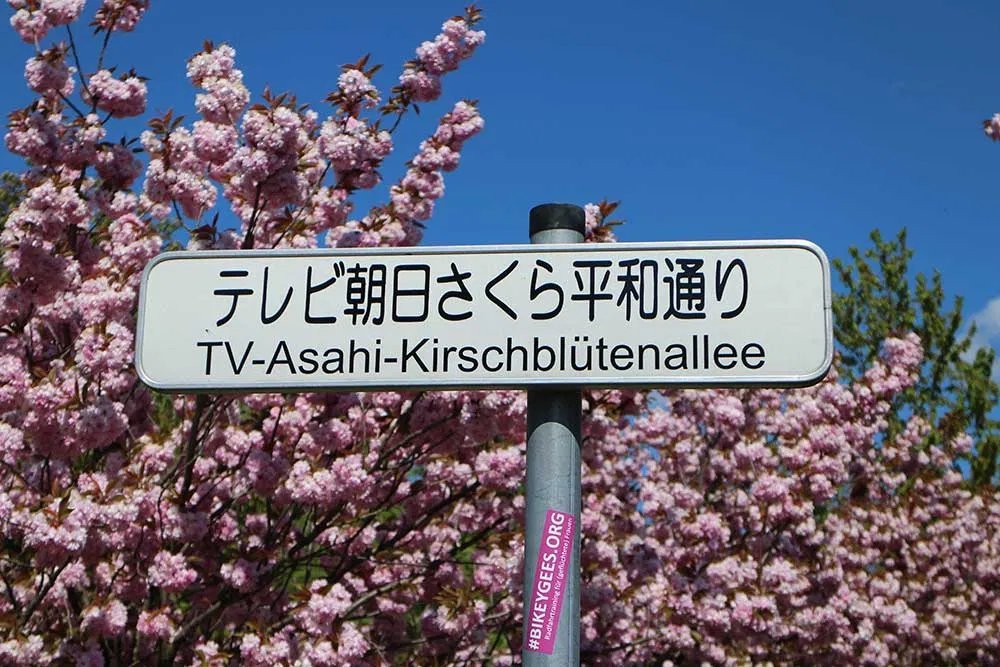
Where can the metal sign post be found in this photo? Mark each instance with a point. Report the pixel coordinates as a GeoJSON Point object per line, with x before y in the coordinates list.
{"type": "Point", "coordinates": [552, 493]}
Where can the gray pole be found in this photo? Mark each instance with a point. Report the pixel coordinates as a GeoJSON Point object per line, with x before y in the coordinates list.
{"type": "Point", "coordinates": [553, 479]}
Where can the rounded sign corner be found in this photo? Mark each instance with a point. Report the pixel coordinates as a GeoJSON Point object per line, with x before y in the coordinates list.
{"type": "Point", "coordinates": [817, 251]}
{"type": "Point", "coordinates": [160, 258]}
{"type": "Point", "coordinates": [144, 376]}
{"type": "Point", "coordinates": [814, 248]}
{"type": "Point", "coordinates": [817, 376]}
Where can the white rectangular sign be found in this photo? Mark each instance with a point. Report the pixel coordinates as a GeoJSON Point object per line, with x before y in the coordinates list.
{"type": "Point", "coordinates": [738, 313]}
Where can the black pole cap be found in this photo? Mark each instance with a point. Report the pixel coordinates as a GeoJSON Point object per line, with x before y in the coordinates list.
{"type": "Point", "coordinates": [557, 216]}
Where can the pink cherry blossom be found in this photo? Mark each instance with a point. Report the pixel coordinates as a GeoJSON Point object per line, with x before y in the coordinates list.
{"type": "Point", "coordinates": [457, 41]}
{"type": "Point", "coordinates": [61, 12]}
{"type": "Point", "coordinates": [992, 127]}
{"type": "Point", "coordinates": [414, 196]}
{"type": "Point", "coordinates": [170, 572]}
{"type": "Point", "coordinates": [117, 166]}
{"type": "Point", "coordinates": [122, 15]}
{"type": "Point", "coordinates": [108, 620]}
{"type": "Point", "coordinates": [48, 72]}
{"type": "Point", "coordinates": [120, 96]}
{"type": "Point", "coordinates": [31, 24]}
{"type": "Point", "coordinates": [155, 625]}
{"type": "Point", "coordinates": [34, 135]}
{"type": "Point", "coordinates": [764, 526]}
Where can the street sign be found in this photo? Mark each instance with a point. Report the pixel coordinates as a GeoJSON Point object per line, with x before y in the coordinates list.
{"type": "Point", "coordinates": [733, 313]}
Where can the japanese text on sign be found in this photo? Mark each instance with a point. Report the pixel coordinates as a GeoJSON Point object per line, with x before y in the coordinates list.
{"type": "Point", "coordinates": [372, 294]}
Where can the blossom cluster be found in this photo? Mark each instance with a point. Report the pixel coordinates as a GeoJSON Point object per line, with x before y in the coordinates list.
{"type": "Point", "coordinates": [421, 78]}
{"type": "Point", "coordinates": [413, 198]}
{"type": "Point", "coordinates": [992, 127]}
{"type": "Point", "coordinates": [120, 15]}
{"type": "Point", "coordinates": [48, 73]}
{"type": "Point", "coordinates": [121, 96]}
{"type": "Point", "coordinates": [32, 19]}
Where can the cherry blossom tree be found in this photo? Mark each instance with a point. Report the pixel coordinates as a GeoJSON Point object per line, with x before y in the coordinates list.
{"type": "Point", "coordinates": [385, 528]}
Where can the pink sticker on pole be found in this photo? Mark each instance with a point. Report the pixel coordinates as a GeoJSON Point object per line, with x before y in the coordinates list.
{"type": "Point", "coordinates": [551, 578]}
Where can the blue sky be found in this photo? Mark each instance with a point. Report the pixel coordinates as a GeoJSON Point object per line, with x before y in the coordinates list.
{"type": "Point", "coordinates": [708, 120]}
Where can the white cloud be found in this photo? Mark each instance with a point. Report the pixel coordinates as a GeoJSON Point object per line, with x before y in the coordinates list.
{"type": "Point", "coordinates": [988, 331]}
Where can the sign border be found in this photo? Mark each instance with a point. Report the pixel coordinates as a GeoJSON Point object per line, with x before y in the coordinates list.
{"type": "Point", "coordinates": [804, 380]}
